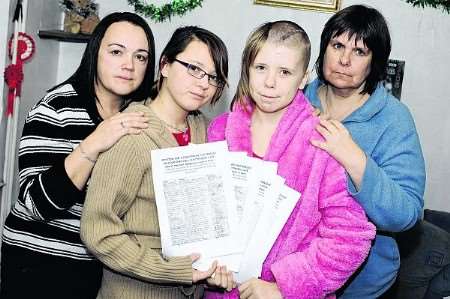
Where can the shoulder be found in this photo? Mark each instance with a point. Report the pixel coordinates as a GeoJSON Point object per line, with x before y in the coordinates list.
{"type": "Point", "coordinates": [137, 107]}
{"type": "Point", "coordinates": [61, 105]}
{"type": "Point", "coordinates": [216, 129]}
{"type": "Point", "coordinates": [396, 114]}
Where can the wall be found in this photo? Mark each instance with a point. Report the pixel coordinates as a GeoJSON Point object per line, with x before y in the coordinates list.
{"type": "Point", "coordinates": [4, 61]}
{"type": "Point", "coordinates": [420, 37]}
{"type": "Point", "coordinates": [40, 72]}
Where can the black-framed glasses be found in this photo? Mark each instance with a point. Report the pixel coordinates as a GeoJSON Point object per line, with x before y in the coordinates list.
{"type": "Point", "coordinates": [198, 73]}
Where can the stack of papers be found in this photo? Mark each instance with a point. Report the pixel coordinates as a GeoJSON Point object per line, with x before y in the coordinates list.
{"type": "Point", "coordinates": [224, 205]}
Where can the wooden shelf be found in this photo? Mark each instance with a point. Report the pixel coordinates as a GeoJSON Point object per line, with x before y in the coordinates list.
{"type": "Point", "coordinates": [64, 36]}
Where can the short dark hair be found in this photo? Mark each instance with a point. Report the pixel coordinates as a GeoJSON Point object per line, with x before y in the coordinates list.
{"type": "Point", "coordinates": [86, 75]}
{"type": "Point", "coordinates": [178, 43]}
{"type": "Point", "coordinates": [366, 24]}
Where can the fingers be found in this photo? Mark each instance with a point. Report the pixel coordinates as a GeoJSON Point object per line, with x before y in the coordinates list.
{"type": "Point", "coordinates": [130, 122]}
{"type": "Point", "coordinates": [319, 144]}
{"type": "Point", "coordinates": [222, 278]}
{"type": "Point", "coordinates": [225, 278]}
{"type": "Point", "coordinates": [245, 290]}
{"type": "Point", "coordinates": [194, 257]}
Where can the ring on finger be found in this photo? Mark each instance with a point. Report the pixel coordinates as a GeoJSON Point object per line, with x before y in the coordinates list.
{"type": "Point", "coordinates": [122, 124]}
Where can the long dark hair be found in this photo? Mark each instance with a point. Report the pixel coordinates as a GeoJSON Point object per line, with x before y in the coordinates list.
{"type": "Point", "coordinates": [366, 24]}
{"type": "Point", "coordinates": [180, 40]}
{"type": "Point", "coordinates": [86, 75]}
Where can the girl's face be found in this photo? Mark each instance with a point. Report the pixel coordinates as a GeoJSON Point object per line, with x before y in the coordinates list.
{"type": "Point", "coordinates": [346, 64]}
{"type": "Point", "coordinates": [185, 91]}
{"type": "Point", "coordinates": [122, 60]}
{"type": "Point", "coordinates": [275, 76]}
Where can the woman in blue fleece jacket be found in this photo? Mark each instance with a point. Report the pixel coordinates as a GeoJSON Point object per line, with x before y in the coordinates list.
{"type": "Point", "coordinates": [372, 134]}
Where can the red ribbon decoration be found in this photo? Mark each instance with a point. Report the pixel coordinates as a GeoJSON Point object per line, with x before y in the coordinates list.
{"type": "Point", "coordinates": [14, 78]}
{"type": "Point", "coordinates": [14, 72]}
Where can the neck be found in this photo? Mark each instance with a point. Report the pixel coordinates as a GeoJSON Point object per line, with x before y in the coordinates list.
{"type": "Point", "coordinates": [267, 119]}
{"type": "Point", "coordinates": [107, 104]}
{"type": "Point", "coordinates": [173, 117]}
{"type": "Point", "coordinates": [107, 108]}
{"type": "Point", "coordinates": [338, 104]}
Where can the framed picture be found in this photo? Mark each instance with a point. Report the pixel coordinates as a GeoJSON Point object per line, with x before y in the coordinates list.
{"type": "Point", "coordinates": [318, 5]}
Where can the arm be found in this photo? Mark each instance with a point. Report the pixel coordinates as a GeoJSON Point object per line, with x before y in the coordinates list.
{"type": "Point", "coordinates": [52, 173]}
{"type": "Point", "coordinates": [111, 232]}
{"type": "Point", "coordinates": [389, 181]}
{"type": "Point", "coordinates": [393, 183]}
{"type": "Point", "coordinates": [343, 241]}
{"type": "Point", "coordinates": [46, 191]}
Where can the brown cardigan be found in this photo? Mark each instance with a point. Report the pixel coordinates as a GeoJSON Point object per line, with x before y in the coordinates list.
{"type": "Point", "coordinates": [120, 224]}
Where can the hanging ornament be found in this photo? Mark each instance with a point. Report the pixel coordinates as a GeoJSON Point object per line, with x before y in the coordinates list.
{"type": "Point", "coordinates": [25, 47]}
{"type": "Point", "coordinates": [14, 72]}
{"type": "Point", "coordinates": [166, 11]}
{"type": "Point", "coordinates": [443, 4]}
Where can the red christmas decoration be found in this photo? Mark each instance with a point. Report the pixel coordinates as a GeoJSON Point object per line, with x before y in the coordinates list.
{"type": "Point", "coordinates": [14, 72]}
{"type": "Point", "coordinates": [13, 78]}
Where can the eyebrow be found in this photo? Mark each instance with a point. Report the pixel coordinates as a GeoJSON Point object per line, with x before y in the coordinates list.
{"type": "Point", "coordinates": [201, 65]}
{"type": "Point", "coordinates": [122, 46]}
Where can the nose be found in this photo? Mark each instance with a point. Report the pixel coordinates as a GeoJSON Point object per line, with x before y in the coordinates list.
{"type": "Point", "coordinates": [203, 82]}
{"type": "Point", "coordinates": [269, 80]}
{"type": "Point", "coordinates": [344, 59]}
{"type": "Point", "coordinates": [128, 62]}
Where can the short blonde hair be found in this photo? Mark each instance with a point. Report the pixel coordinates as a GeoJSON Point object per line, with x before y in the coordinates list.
{"type": "Point", "coordinates": [282, 32]}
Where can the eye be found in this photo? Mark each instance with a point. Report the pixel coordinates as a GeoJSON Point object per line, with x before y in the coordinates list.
{"type": "Point", "coordinates": [195, 69]}
{"type": "Point", "coordinates": [115, 52]}
{"type": "Point", "coordinates": [336, 45]}
{"type": "Point", "coordinates": [141, 57]}
{"type": "Point", "coordinates": [214, 79]}
{"type": "Point", "coordinates": [259, 67]}
{"type": "Point", "coordinates": [285, 73]}
{"type": "Point", "coordinates": [360, 52]}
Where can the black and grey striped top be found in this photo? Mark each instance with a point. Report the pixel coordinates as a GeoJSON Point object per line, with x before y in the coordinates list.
{"type": "Point", "coordinates": [46, 216]}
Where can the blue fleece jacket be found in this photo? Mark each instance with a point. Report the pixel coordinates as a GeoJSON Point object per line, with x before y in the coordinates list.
{"type": "Point", "coordinates": [393, 183]}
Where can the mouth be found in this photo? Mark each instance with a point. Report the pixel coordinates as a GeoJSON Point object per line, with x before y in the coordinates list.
{"type": "Point", "coordinates": [199, 96]}
{"type": "Point", "coordinates": [268, 97]}
{"type": "Point", "coordinates": [124, 78]}
{"type": "Point", "coordinates": [342, 74]}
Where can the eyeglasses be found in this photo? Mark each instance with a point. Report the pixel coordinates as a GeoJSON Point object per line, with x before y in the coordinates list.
{"type": "Point", "coordinates": [198, 73]}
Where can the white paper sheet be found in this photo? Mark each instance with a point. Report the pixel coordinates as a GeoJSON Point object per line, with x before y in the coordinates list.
{"type": "Point", "coordinates": [270, 223]}
{"type": "Point", "coordinates": [195, 210]}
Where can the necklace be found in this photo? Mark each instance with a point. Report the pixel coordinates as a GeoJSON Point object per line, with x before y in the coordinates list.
{"type": "Point", "coordinates": [177, 129]}
{"type": "Point", "coordinates": [174, 128]}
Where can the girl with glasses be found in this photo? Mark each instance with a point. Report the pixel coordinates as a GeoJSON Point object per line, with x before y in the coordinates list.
{"type": "Point", "coordinates": [119, 222]}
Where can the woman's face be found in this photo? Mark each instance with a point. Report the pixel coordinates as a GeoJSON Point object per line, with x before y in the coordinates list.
{"type": "Point", "coordinates": [185, 91]}
{"type": "Point", "coordinates": [276, 74]}
{"type": "Point", "coordinates": [346, 64]}
{"type": "Point", "coordinates": [122, 60]}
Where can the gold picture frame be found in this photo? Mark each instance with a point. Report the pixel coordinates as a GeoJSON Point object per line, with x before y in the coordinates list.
{"type": "Point", "coordinates": [318, 5]}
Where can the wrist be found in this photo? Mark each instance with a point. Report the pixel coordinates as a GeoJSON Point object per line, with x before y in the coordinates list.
{"type": "Point", "coordinates": [86, 154]}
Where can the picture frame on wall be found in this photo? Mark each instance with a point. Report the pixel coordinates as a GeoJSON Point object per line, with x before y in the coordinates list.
{"type": "Point", "coordinates": [317, 5]}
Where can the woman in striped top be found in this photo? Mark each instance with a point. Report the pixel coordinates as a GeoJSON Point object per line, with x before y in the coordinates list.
{"type": "Point", "coordinates": [42, 254]}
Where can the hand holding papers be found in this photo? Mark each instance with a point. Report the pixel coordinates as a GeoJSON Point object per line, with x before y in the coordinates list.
{"type": "Point", "coordinates": [224, 205]}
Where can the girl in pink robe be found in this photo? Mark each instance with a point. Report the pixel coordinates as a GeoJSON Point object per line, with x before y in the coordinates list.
{"type": "Point", "coordinates": [327, 236]}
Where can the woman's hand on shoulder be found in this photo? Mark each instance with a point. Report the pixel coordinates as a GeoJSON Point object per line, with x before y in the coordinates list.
{"type": "Point", "coordinates": [259, 289]}
{"type": "Point", "coordinates": [338, 142]}
{"type": "Point", "coordinates": [112, 129]}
